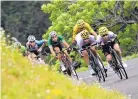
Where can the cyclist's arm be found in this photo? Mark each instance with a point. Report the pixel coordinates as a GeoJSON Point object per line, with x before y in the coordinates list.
{"type": "Point", "coordinates": [63, 41]}
{"type": "Point", "coordinates": [43, 42]}
{"type": "Point", "coordinates": [52, 51]}
{"type": "Point", "coordinates": [88, 27]}
{"type": "Point", "coordinates": [74, 32]}
{"type": "Point", "coordinates": [27, 45]}
{"type": "Point", "coordinates": [112, 36]}
{"type": "Point", "coordinates": [50, 47]}
{"type": "Point", "coordinates": [65, 44]}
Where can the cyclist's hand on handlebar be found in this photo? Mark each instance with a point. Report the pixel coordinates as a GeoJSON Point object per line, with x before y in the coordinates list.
{"type": "Point", "coordinates": [40, 49]}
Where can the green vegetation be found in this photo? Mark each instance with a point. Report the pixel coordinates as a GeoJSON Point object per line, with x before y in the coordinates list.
{"type": "Point", "coordinates": [131, 56]}
{"type": "Point", "coordinates": [23, 18]}
{"type": "Point", "coordinates": [119, 16]}
{"type": "Point", "coordinates": [21, 80]}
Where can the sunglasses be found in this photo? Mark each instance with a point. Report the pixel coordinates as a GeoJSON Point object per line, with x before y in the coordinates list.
{"type": "Point", "coordinates": [32, 41]}
{"type": "Point", "coordinates": [54, 36]}
{"type": "Point", "coordinates": [104, 35]}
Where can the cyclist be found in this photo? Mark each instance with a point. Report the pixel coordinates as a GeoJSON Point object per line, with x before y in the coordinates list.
{"type": "Point", "coordinates": [20, 48]}
{"type": "Point", "coordinates": [86, 40]}
{"type": "Point", "coordinates": [56, 43]}
{"type": "Point", "coordinates": [104, 36]}
{"type": "Point", "coordinates": [82, 25]}
{"type": "Point", "coordinates": [35, 46]}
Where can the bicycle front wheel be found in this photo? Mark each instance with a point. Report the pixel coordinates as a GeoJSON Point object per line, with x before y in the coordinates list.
{"type": "Point", "coordinates": [72, 69]}
{"type": "Point", "coordinates": [121, 67]}
{"type": "Point", "coordinates": [100, 74]}
{"type": "Point", "coordinates": [102, 66]}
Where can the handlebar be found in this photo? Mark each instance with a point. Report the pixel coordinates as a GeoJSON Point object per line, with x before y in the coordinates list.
{"type": "Point", "coordinates": [62, 51]}
{"type": "Point", "coordinates": [87, 47]}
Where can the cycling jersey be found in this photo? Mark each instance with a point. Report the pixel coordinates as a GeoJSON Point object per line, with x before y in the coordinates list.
{"type": "Point", "coordinates": [105, 48]}
{"type": "Point", "coordinates": [81, 43]}
{"type": "Point", "coordinates": [38, 43]}
{"type": "Point", "coordinates": [55, 44]}
{"type": "Point", "coordinates": [110, 35]}
{"type": "Point", "coordinates": [77, 29]}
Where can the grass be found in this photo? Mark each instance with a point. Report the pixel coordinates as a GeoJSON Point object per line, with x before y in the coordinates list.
{"type": "Point", "coordinates": [135, 55]}
{"type": "Point", "coordinates": [21, 80]}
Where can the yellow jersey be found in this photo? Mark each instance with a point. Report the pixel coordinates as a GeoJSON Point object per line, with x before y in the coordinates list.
{"type": "Point", "coordinates": [77, 29]}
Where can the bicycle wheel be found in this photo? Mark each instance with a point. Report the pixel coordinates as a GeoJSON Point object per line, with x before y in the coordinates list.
{"type": "Point", "coordinates": [118, 72]}
{"type": "Point", "coordinates": [115, 67]}
{"type": "Point", "coordinates": [67, 71]}
{"type": "Point", "coordinates": [96, 67]}
{"type": "Point", "coordinates": [121, 67]}
{"type": "Point", "coordinates": [102, 66]}
{"type": "Point", "coordinates": [72, 69]}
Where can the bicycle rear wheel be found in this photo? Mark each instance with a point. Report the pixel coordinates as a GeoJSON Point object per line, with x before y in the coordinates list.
{"type": "Point", "coordinates": [116, 67]}
{"type": "Point", "coordinates": [121, 67]}
{"type": "Point", "coordinates": [72, 69]}
{"type": "Point", "coordinates": [102, 66]}
{"type": "Point", "coordinates": [99, 74]}
{"type": "Point", "coordinates": [96, 67]}
{"type": "Point", "coordinates": [118, 72]}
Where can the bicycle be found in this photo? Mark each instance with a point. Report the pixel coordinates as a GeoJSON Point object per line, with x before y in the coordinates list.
{"type": "Point", "coordinates": [117, 64]}
{"type": "Point", "coordinates": [94, 63]}
{"type": "Point", "coordinates": [102, 65]}
{"type": "Point", "coordinates": [70, 70]}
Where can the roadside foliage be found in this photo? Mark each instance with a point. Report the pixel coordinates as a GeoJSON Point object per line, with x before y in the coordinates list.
{"type": "Point", "coordinates": [21, 80]}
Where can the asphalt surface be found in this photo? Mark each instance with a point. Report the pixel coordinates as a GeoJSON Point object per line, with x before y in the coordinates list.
{"type": "Point", "coordinates": [126, 86]}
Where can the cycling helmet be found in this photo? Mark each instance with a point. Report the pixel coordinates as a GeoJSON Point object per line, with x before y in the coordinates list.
{"type": "Point", "coordinates": [80, 23]}
{"type": "Point", "coordinates": [17, 44]}
{"type": "Point", "coordinates": [85, 34]}
{"type": "Point", "coordinates": [53, 33]}
{"type": "Point", "coordinates": [103, 31]}
{"type": "Point", "coordinates": [31, 38]}
{"type": "Point", "coordinates": [14, 39]}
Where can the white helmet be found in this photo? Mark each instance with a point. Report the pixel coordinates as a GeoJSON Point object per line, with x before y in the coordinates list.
{"type": "Point", "coordinates": [53, 33]}
{"type": "Point", "coordinates": [31, 38]}
{"type": "Point", "coordinates": [17, 44]}
{"type": "Point", "coordinates": [14, 39]}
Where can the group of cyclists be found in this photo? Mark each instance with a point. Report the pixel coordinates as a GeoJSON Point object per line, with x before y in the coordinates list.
{"type": "Point", "coordinates": [83, 35]}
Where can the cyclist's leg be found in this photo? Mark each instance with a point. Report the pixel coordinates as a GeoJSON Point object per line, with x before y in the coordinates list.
{"type": "Point", "coordinates": [57, 49]}
{"type": "Point", "coordinates": [108, 56]}
{"type": "Point", "coordinates": [94, 51]}
{"type": "Point", "coordinates": [118, 50]}
{"type": "Point", "coordinates": [83, 53]}
{"type": "Point", "coordinates": [97, 55]}
{"type": "Point", "coordinates": [68, 56]}
{"type": "Point", "coordinates": [87, 61]}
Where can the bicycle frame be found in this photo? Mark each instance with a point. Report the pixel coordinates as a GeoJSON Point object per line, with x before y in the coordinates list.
{"type": "Point", "coordinates": [94, 63]}
{"type": "Point", "coordinates": [117, 64]}
{"type": "Point", "coordinates": [67, 63]}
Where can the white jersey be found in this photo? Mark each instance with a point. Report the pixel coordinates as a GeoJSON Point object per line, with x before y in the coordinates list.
{"type": "Point", "coordinates": [110, 35]}
{"type": "Point", "coordinates": [80, 41]}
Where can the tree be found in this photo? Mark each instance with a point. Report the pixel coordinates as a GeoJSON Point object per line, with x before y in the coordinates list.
{"type": "Point", "coordinates": [24, 18]}
{"type": "Point", "coordinates": [118, 16]}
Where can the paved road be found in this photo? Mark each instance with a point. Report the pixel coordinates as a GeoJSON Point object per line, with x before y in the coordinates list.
{"type": "Point", "coordinates": [128, 87]}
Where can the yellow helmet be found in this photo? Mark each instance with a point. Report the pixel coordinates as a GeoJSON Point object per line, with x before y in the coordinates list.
{"type": "Point", "coordinates": [84, 34]}
{"type": "Point", "coordinates": [80, 23]}
{"type": "Point", "coordinates": [103, 31]}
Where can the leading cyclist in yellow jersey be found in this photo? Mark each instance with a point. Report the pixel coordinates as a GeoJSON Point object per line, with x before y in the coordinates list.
{"type": "Point", "coordinates": [80, 26]}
